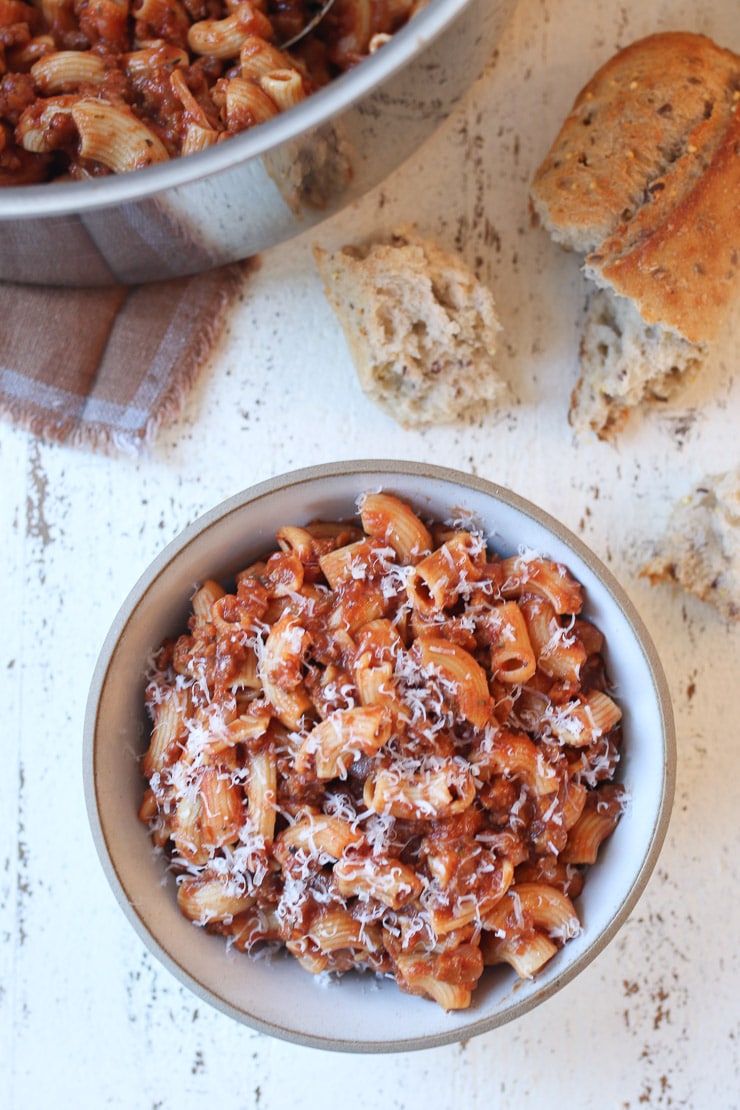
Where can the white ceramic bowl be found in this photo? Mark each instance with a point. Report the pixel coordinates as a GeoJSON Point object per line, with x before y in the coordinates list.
{"type": "Point", "coordinates": [359, 1013]}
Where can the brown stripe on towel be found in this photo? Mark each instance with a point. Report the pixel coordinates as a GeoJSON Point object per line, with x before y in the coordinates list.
{"type": "Point", "coordinates": [105, 367]}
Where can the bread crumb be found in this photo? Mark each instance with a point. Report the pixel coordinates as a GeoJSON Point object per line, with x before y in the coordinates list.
{"type": "Point", "coordinates": [700, 549]}
{"type": "Point", "coordinates": [420, 326]}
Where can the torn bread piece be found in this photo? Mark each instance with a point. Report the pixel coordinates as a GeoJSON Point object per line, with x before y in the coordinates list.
{"type": "Point", "coordinates": [644, 179]}
{"type": "Point", "coordinates": [420, 326]}
{"type": "Point", "coordinates": [701, 547]}
{"type": "Point", "coordinates": [625, 363]}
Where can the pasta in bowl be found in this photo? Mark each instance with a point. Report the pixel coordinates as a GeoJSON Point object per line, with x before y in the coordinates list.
{"type": "Point", "coordinates": [380, 738]}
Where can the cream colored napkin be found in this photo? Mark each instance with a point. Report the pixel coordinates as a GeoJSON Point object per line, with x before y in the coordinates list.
{"type": "Point", "coordinates": [106, 367]}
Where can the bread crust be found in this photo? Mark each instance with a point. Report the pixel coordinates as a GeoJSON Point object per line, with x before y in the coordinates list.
{"type": "Point", "coordinates": [644, 178]}
{"type": "Point", "coordinates": [683, 273]}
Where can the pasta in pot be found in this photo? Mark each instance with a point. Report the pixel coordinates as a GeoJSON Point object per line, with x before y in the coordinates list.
{"type": "Point", "coordinates": [367, 753]}
{"type": "Point", "coordinates": [88, 89]}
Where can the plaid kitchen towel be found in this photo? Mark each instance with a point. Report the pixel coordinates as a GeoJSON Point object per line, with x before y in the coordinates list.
{"type": "Point", "coordinates": [105, 367]}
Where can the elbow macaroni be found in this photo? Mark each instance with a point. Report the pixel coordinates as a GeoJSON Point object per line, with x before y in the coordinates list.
{"type": "Point", "coordinates": [92, 89]}
{"type": "Point", "coordinates": [411, 786]}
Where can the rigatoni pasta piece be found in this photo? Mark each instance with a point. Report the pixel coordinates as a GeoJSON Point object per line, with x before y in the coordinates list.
{"type": "Point", "coordinates": [307, 953]}
{"type": "Point", "coordinates": [550, 909]}
{"type": "Point", "coordinates": [440, 578]}
{"type": "Point", "coordinates": [253, 926]}
{"type": "Point", "coordinates": [375, 686]}
{"type": "Point", "coordinates": [357, 605]}
{"type": "Point", "coordinates": [284, 574]}
{"type": "Point", "coordinates": [462, 675]}
{"type": "Point", "coordinates": [149, 60]}
{"type": "Point", "coordinates": [551, 869]}
{"type": "Point", "coordinates": [459, 901]}
{"type": "Point", "coordinates": [432, 793]}
{"type": "Point", "coordinates": [261, 793]}
{"type": "Point", "coordinates": [544, 578]}
{"type": "Point", "coordinates": [379, 645]}
{"type": "Point", "coordinates": [211, 898]}
{"type": "Point", "coordinates": [377, 876]}
{"type": "Point", "coordinates": [604, 711]}
{"type": "Point", "coordinates": [65, 70]}
{"type": "Point", "coordinates": [417, 977]}
{"type": "Point", "coordinates": [196, 113]}
{"type": "Point", "coordinates": [580, 722]}
{"type": "Point", "coordinates": [199, 138]}
{"type": "Point", "coordinates": [559, 654]}
{"type": "Point", "coordinates": [447, 975]}
{"type": "Point", "coordinates": [391, 520]}
{"type": "Point", "coordinates": [284, 87]}
{"type": "Point", "coordinates": [113, 135]}
{"type": "Point", "coordinates": [334, 929]}
{"type": "Point", "coordinates": [224, 38]}
{"type": "Point", "coordinates": [598, 820]}
{"type": "Point", "coordinates": [280, 669]}
{"type": "Point", "coordinates": [185, 828]}
{"type": "Point", "coordinates": [258, 57]}
{"type": "Point", "coordinates": [512, 655]}
{"type": "Point", "coordinates": [528, 926]}
{"type": "Point", "coordinates": [515, 755]}
{"type": "Point", "coordinates": [316, 836]}
{"type": "Point", "coordinates": [336, 742]}
{"type": "Point", "coordinates": [573, 803]}
{"type": "Point", "coordinates": [527, 954]}
{"type": "Point", "coordinates": [352, 561]}
{"type": "Point", "coordinates": [204, 599]}
{"type": "Point", "coordinates": [170, 712]}
{"type": "Point", "coordinates": [222, 809]}
{"type": "Point", "coordinates": [40, 129]}
{"type": "Point", "coordinates": [245, 104]}
{"type": "Point", "coordinates": [245, 728]}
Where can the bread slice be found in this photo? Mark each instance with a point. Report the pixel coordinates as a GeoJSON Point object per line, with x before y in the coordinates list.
{"type": "Point", "coordinates": [701, 547]}
{"type": "Point", "coordinates": [421, 327]}
{"type": "Point", "coordinates": [644, 179]}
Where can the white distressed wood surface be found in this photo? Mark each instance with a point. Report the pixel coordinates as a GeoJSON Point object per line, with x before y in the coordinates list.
{"type": "Point", "coordinates": [88, 1019]}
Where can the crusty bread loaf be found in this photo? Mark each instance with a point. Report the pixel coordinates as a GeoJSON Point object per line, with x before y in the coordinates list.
{"type": "Point", "coordinates": [644, 178]}
{"type": "Point", "coordinates": [701, 546]}
{"type": "Point", "coordinates": [420, 326]}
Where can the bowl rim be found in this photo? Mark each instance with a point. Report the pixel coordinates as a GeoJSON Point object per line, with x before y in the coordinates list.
{"type": "Point", "coordinates": [52, 199]}
{"type": "Point", "coordinates": [359, 467]}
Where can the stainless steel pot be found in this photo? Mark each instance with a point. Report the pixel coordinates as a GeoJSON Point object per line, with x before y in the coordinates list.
{"type": "Point", "coordinates": [242, 196]}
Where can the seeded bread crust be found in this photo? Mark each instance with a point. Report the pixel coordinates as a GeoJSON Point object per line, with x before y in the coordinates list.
{"type": "Point", "coordinates": [420, 326]}
{"type": "Point", "coordinates": [645, 114]}
{"type": "Point", "coordinates": [700, 550]}
{"type": "Point", "coordinates": [681, 267]}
